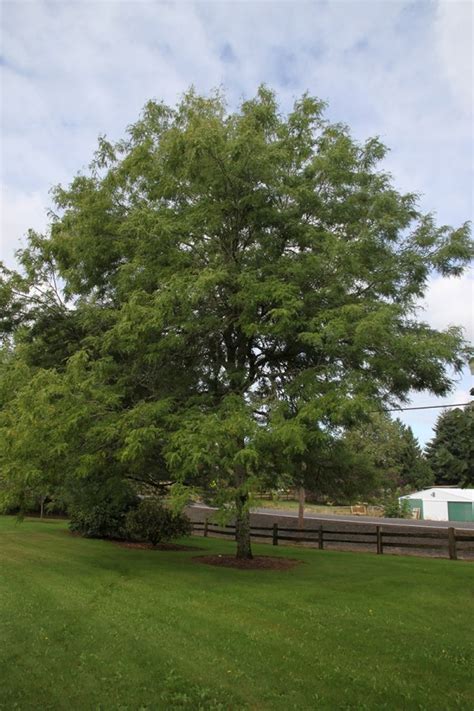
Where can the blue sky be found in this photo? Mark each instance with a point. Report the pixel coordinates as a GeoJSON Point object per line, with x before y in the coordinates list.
{"type": "Point", "coordinates": [400, 70]}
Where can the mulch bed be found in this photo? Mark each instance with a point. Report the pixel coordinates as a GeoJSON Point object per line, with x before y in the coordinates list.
{"type": "Point", "coordinates": [159, 547]}
{"type": "Point", "coordinates": [258, 562]}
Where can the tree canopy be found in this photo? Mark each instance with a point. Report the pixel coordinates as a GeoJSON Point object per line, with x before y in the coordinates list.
{"type": "Point", "coordinates": [451, 451]}
{"type": "Point", "coordinates": [224, 286]}
{"type": "Point", "coordinates": [391, 453]}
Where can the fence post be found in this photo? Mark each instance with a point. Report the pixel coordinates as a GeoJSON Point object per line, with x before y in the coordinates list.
{"type": "Point", "coordinates": [205, 528]}
{"type": "Point", "coordinates": [275, 534]}
{"type": "Point", "coordinates": [379, 540]}
{"type": "Point", "coordinates": [452, 543]}
{"type": "Point", "coordinates": [320, 538]}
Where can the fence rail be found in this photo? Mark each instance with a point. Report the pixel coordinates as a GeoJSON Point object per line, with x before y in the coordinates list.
{"type": "Point", "coordinates": [448, 539]}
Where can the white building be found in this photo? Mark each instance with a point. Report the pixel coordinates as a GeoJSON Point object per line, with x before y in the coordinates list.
{"type": "Point", "coordinates": [442, 504]}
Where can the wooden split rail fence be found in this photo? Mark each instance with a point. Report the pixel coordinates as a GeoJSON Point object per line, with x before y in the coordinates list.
{"type": "Point", "coordinates": [451, 540]}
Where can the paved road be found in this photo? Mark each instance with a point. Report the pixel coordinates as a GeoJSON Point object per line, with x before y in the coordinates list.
{"type": "Point", "coordinates": [334, 526]}
{"type": "Point", "coordinates": [280, 515]}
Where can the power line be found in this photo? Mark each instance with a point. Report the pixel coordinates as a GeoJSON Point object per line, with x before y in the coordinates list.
{"type": "Point", "coordinates": [428, 407]}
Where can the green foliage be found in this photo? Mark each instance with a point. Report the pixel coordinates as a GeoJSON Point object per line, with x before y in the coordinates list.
{"type": "Point", "coordinates": [98, 509]}
{"type": "Point", "coordinates": [31, 500]}
{"type": "Point", "coordinates": [451, 452]}
{"type": "Point", "coordinates": [237, 288]}
{"type": "Point", "coordinates": [391, 454]}
{"type": "Point", "coordinates": [415, 472]}
{"type": "Point", "coordinates": [98, 520]}
{"type": "Point", "coordinates": [396, 508]}
{"type": "Point", "coordinates": [151, 521]}
{"type": "Point", "coordinates": [332, 470]}
{"type": "Point", "coordinates": [56, 432]}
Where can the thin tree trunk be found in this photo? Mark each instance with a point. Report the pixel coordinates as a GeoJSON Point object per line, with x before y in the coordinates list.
{"type": "Point", "coordinates": [42, 506]}
{"type": "Point", "coordinates": [242, 527]}
{"type": "Point", "coordinates": [301, 503]}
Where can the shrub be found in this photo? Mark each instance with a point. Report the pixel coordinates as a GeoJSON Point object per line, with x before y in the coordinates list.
{"type": "Point", "coordinates": [154, 523]}
{"type": "Point", "coordinates": [98, 508]}
{"type": "Point", "coordinates": [397, 509]}
{"type": "Point", "coordinates": [102, 521]}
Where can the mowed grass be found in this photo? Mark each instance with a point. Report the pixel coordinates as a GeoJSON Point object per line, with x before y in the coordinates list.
{"type": "Point", "coordinates": [89, 625]}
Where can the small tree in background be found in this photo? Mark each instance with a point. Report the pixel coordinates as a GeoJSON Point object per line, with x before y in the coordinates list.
{"type": "Point", "coordinates": [328, 469]}
{"type": "Point", "coordinates": [394, 508]}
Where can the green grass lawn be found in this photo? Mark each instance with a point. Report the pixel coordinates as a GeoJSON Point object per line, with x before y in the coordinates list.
{"type": "Point", "coordinates": [88, 625]}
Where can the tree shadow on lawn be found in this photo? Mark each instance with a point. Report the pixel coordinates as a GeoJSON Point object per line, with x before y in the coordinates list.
{"type": "Point", "coordinates": [159, 547]}
{"type": "Point", "coordinates": [138, 545]}
{"type": "Point", "coordinates": [258, 562]}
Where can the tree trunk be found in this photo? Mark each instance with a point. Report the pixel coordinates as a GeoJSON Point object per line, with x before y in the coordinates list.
{"type": "Point", "coordinates": [242, 527]}
{"type": "Point", "coordinates": [242, 518]}
{"type": "Point", "coordinates": [42, 498]}
{"type": "Point", "coordinates": [301, 502]}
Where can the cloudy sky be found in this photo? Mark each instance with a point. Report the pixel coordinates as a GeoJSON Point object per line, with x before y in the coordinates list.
{"type": "Point", "coordinates": [400, 70]}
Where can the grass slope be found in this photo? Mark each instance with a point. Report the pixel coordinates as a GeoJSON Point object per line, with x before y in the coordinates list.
{"type": "Point", "coordinates": [89, 625]}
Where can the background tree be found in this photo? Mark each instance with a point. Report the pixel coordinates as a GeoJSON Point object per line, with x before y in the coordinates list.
{"type": "Point", "coordinates": [392, 455]}
{"type": "Point", "coordinates": [327, 468]}
{"type": "Point", "coordinates": [240, 279]}
{"type": "Point", "coordinates": [451, 451]}
{"type": "Point", "coordinates": [415, 472]}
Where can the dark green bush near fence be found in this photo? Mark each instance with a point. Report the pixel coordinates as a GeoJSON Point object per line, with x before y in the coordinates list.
{"type": "Point", "coordinates": [154, 523]}
{"type": "Point", "coordinates": [102, 521]}
{"type": "Point", "coordinates": [98, 509]}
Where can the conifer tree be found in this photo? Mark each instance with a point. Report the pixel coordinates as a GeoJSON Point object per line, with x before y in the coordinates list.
{"type": "Point", "coordinates": [451, 451]}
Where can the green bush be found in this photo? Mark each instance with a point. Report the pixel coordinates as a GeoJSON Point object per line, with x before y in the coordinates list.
{"type": "Point", "coordinates": [154, 523]}
{"type": "Point", "coordinates": [394, 508]}
{"type": "Point", "coordinates": [98, 508]}
{"type": "Point", "coordinates": [101, 521]}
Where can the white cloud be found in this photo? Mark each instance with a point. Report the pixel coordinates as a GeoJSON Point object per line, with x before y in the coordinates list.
{"type": "Point", "coordinates": [450, 302]}
{"type": "Point", "coordinates": [453, 31]}
{"type": "Point", "coordinates": [19, 211]}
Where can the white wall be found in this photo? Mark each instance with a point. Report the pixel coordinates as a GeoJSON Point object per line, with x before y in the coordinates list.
{"type": "Point", "coordinates": [435, 510]}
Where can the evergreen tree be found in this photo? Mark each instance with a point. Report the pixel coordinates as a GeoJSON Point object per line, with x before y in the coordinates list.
{"type": "Point", "coordinates": [392, 454]}
{"type": "Point", "coordinates": [451, 451]}
{"type": "Point", "coordinates": [415, 472]}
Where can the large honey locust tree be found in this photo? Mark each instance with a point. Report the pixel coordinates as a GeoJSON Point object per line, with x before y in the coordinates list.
{"type": "Point", "coordinates": [243, 286]}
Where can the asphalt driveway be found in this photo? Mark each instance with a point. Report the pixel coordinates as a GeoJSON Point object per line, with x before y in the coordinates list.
{"type": "Point", "coordinates": [262, 516]}
{"type": "Point", "coordinates": [356, 533]}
